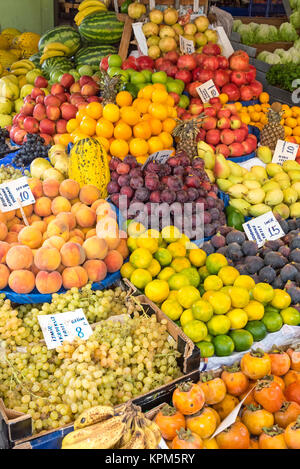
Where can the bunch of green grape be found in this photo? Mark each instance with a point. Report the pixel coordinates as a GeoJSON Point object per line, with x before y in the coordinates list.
{"type": "Point", "coordinates": [8, 172]}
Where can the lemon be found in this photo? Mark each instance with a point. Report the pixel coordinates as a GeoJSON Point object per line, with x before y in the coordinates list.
{"type": "Point", "coordinates": [202, 310]}
{"type": "Point", "coordinates": [192, 274]}
{"type": "Point", "coordinates": [218, 325]}
{"type": "Point", "coordinates": [239, 297]}
{"type": "Point", "coordinates": [163, 256]}
{"type": "Point", "coordinates": [154, 268]}
{"type": "Point", "coordinates": [140, 278]}
{"type": "Point", "coordinates": [290, 316]}
{"type": "Point", "coordinates": [263, 292]}
{"type": "Point", "coordinates": [187, 296]}
{"type": "Point", "coordinates": [141, 258]}
{"type": "Point", "coordinates": [180, 263]}
{"type": "Point", "coordinates": [153, 234]}
{"type": "Point", "coordinates": [207, 295]}
{"type": "Point", "coordinates": [177, 249]}
{"type": "Point", "coordinates": [171, 234]}
{"type": "Point", "coordinates": [195, 330]}
{"type": "Point", "coordinates": [197, 257]}
{"type": "Point", "coordinates": [244, 281]}
{"type": "Point", "coordinates": [281, 299]}
{"type": "Point", "coordinates": [166, 273]}
{"type": "Point", "coordinates": [178, 281]}
{"type": "Point", "coordinates": [215, 262]}
{"type": "Point", "coordinates": [228, 274]}
{"type": "Point", "coordinates": [220, 302]}
{"type": "Point", "coordinates": [172, 295]}
{"type": "Point", "coordinates": [157, 290]}
{"type": "Point", "coordinates": [131, 244]}
{"type": "Point", "coordinates": [238, 318]}
{"type": "Point", "coordinates": [213, 282]}
{"type": "Point", "coordinates": [203, 272]}
{"type": "Point", "coordinates": [126, 270]}
{"type": "Point", "coordinates": [184, 240]}
{"type": "Point", "coordinates": [226, 289]}
{"type": "Point", "coordinates": [148, 243]}
{"type": "Point", "coordinates": [186, 317]}
{"type": "Point", "coordinates": [254, 310]}
{"type": "Point", "coordinates": [135, 229]}
{"type": "Point", "coordinates": [172, 309]}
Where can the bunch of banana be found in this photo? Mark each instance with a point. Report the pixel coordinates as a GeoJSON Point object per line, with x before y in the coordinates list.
{"type": "Point", "coordinates": [21, 67]}
{"type": "Point", "coordinates": [105, 427]}
{"type": "Point", "coordinates": [54, 49]}
{"type": "Point", "coordinates": [88, 7]}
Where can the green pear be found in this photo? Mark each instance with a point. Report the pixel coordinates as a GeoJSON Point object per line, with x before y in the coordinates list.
{"type": "Point", "coordinates": [290, 165]}
{"type": "Point", "coordinates": [209, 160]}
{"type": "Point", "coordinates": [202, 146]}
{"type": "Point", "coordinates": [221, 169]}
{"type": "Point", "coordinates": [244, 171]}
{"type": "Point", "coordinates": [240, 205]}
{"type": "Point", "coordinates": [237, 191]}
{"type": "Point", "coordinates": [273, 168]}
{"type": "Point", "coordinates": [255, 196]}
{"type": "Point", "coordinates": [235, 179]}
{"type": "Point", "coordinates": [252, 184]}
{"type": "Point", "coordinates": [210, 175]}
{"type": "Point", "coordinates": [224, 184]}
{"type": "Point", "coordinates": [290, 196]}
{"type": "Point", "coordinates": [274, 197]}
{"type": "Point", "coordinates": [235, 169]}
{"type": "Point", "coordinates": [260, 173]}
{"type": "Point", "coordinates": [250, 177]}
{"type": "Point", "coordinates": [294, 175]}
{"type": "Point", "coordinates": [296, 187]}
{"type": "Point", "coordinates": [265, 154]}
{"type": "Point", "coordinates": [282, 210]}
{"type": "Point", "coordinates": [283, 180]}
{"type": "Point", "coordinates": [271, 185]}
{"type": "Point", "coordinates": [295, 210]}
{"type": "Point", "coordinates": [259, 209]}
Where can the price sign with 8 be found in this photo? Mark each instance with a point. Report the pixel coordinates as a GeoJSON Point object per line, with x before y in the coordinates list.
{"type": "Point", "coordinates": [15, 193]}
{"type": "Point", "coordinates": [207, 90]}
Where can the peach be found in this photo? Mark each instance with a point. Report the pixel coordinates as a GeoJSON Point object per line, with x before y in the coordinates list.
{"type": "Point", "coordinates": [19, 257]}
{"type": "Point", "coordinates": [51, 187]}
{"type": "Point", "coordinates": [74, 277]}
{"type": "Point", "coordinates": [105, 210]}
{"type": "Point", "coordinates": [75, 201]}
{"type": "Point", "coordinates": [27, 210]}
{"type": "Point", "coordinates": [11, 237]}
{"type": "Point", "coordinates": [34, 269]}
{"type": "Point", "coordinates": [69, 189]}
{"type": "Point", "coordinates": [89, 194]}
{"type": "Point", "coordinates": [13, 222]}
{"type": "Point", "coordinates": [98, 202]}
{"type": "Point", "coordinates": [60, 204]}
{"type": "Point", "coordinates": [76, 239]}
{"type": "Point", "coordinates": [72, 254]}
{"type": "Point", "coordinates": [36, 187]}
{"type": "Point", "coordinates": [113, 261]}
{"type": "Point", "coordinates": [40, 225]}
{"type": "Point", "coordinates": [48, 282]}
{"type": "Point", "coordinates": [31, 237]}
{"type": "Point", "coordinates": [90, 233]}
{"type": "Point", "coordinates": [50, 218]}
{"type": "Point", "coordinates": [95, 248]}
{"type": "Point", "coordinates": [85, 216]}
{"type": "Point", "coordinates": [4, 248]}
{"type": "Point", "coordinates": [21, 281]}
{"type": "Point", "coordinates": [58, 228]}
{"type": "Point", "coordinates": [42, 207]}
{"type": "Point", "coordinates": [96, 270]}
{"type": "Point", "coordinates": [3, 231]}
{"type": "Point", "coordinates": [113, 240]}
{"type": "Point", "coordinates": [47, 258]}
{"type": "Point", "coordinates": [123, 249]}
{"type": "Point", "coordinates": [10, 215]}
{"type": "Point", "coordinates": [68, 218]}
{"type": "Point", "coordinates": [2, 217]}
{"type": "Point", "coordinates": [77, 232]}
{"type": "Point", "coordinates": [4, 275]}
{"type": "Point", "coordinates": [16, 228]}
{"type": "Point", "coordinates": [33, 218]}
{"type": "Point", "coordinates": [75, 207]}
{"type": "Point", "coordinates": [54, 242]}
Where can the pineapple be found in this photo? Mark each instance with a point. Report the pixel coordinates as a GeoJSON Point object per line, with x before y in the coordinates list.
{"type": "Point", "coordinates": [186, 133]}
{"type": "Point", "coordinates": [273, 130]}
{"type": "Point", "coordinates": [109, 87]}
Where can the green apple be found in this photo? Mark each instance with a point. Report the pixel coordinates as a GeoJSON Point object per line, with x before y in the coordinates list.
{"type": "Point", "coordinates": [137, 78]}
{"type": "Point", "coordinates": [147, 74]}
{"type": "Point", "coordinates": [112, 71]}
{"type": "Point", "coordinates": [181, 84]}
{"type": "Point", "coordinates": [184, 101]}
{"type": "Point", "coordinates": [159, 77]}
{"type": "Point", "coordinates": [174, 87]}
{"type": "Point", "coordinates": [114, 60]}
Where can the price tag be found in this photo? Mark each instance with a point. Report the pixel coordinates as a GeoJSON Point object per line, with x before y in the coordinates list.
{"type": "Point", "coordinates": [207, 90]}
{"type": "Point", "coordinates": [15, 193]}
{"type": "Point", "coordinates": [186, 46]}
{"type": "Point", "coordinates": [159, 156]}
{"type": "Point", "coordinates": [140, 37]}
{"type": "Point", "coordinates": [284, 151]}
{"type": "Point", "coordinates": [227, 49]}
{"type": "Point", "coordinates": [64, 327]}
{"type": "Point", "coordinates": [151, 4]}
{"type": "Point", "coordinates": [263, 228]}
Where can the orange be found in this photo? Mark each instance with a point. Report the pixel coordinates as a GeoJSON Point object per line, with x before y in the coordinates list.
{"type": "Point", "coordinates": [119, 148]}
{"type": "Point", "coordinates": [111, 112]}
{"type": "Point", "coordinates": [72, 125]}
{"type": "Point", "coordinates": [103, 142]}
{"type": "Point", "coordinates": [296, 131]}
{"type": "Point", "coordinates": [238, 106]}
{"type": "Point", "coordinates": [141, 104]}
{"type": "Point", "coordinates": [130, 115]}
{"type": "Point", "coordinates": [287, 112]}
{"type": "Point", "coordinates": [295, 111]}
{"type": "Point", "coordinates": [155, 144]}
{"type": "Point", "coordinates": [142, 159]}
{"type": "Point", "coordinates": [142, 130]}
{"type": "Point", "coordinates": [264, 97]}
{"type": "Point", "coordinates": [291, 122]}
{"type": "Point", "coordinates": [159, 96]}
{"type": "Point", "coordinates": [170, 101]}
{"type": "Point", "coordinates": [122, 131]}
{"type": "Point", "coordinates": [171, 111]}
{"type": "Point", "coordinates": [159, 86]}
{"type": "Point", "coordinates": [146, 92]}
{"type": "Point", "coordinates": [263, 118]}
{"type": "Point", "coordinates": [123, 98]}
{"type": "Point", "coordinates": [159, 111]}
{"type": "Point", "coordinates": [223, 98]}
{"type": "Point", "coordinates": [167, 139]}
{"type": "Point", "coordinates": [287, 131]}
{"type": "Point", "coordinates": [104, 128]}
{"type": "Point", "coordinates": [94, 110]}
{"type": "Point", "coordinates": [138, 147]}
{"type": "Point", "coordinates": [169, 124]}
{"type": "Point", "coordinates": [245, 117]}
{"type": "Point", "coordinates": [298, 120]}
{"type": "Point", "coordinates": [80, 114]}
{"type": "Point", "coordinates": [250, 109]}
{"type": "Point", "coordinates": [78, 137]}
{"type": "Point", "coordinates": [65, 139]}
{"type": "Point", "coordinates": [255, 116]}
{"type": "Point", "coordinates": [257, 107]}
{"type": "Point", "coordinates": [156, 126]}
{"type": "Point", "coordinates": [88, 126]}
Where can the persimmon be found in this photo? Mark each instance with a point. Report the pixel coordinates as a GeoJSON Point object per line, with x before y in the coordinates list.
{"type": "Point", "coordinates": [210, 443]}
{"type": "Point", "coordinates": [294, 355]}
{"type": "Point", "coordinates": [255, 418]}
{"type": "Point", "coordinates": [291, 377]}
{"type": "Point", "coordinates": [256, 364]}
{"type": "Point", "coordinates": [226, 406]}
{"type": "Point", "coordinates": [204, 423]}
{"type": "Point", "coordinates": [292, 392]}
{"type": "Point", "coordinates": [268, 394]}
{"type": "Point", "coordinates": [253, 443]}
{"type": "Point", "coordinates": [169, 420]}
{"type": "Point", "coordinates": [235, 380]}
{"type": "Point", "coordinates": [280, 362]}
{"type": "Point", "coordinates": [279, 381]}
{"type": "Point", "coordinates": [272, 438]}
{"type": "Point", "coordinates": [234, 437]}
{"type": "Point", "coordinates": [188, 398]}
{"type": "Point", "coordinates": [292, 434]}
{"type": "Point", "coordinates": [250, 398]}
{"type": "Point", "coordinates": [185, 439]}
{"type": "Point", "coordinates": [288, 413]}
{"type": "Point", "coordinates": [214, 389]}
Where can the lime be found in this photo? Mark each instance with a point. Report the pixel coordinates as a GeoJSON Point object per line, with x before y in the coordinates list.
{"type": "Point", "coordinates": [141, 258]}
{"type": "Point", "coordinates": [126, 270]}
{"type": "Point", "coordinates": [202, 310]}
{"type": "Point", "coordinates": [163, 256]}
{"type": "Point", "coordinates": [228, 274]}
{"type": "Point", "coordinates": [223, 345]}
{"type": "Point", "coordinates": [165, 273]}
{"type": "Point", "coordinates": [257, 329]}
{"type": "Point", "coordinates": [157, 290]}
{"type": "Point", "coordinates": [290, 316]}
{"type": "Point", "coordinates": [207, 295]}
{"type": "Point", "coordinates": [178, 281]}
{"type": "Point", "coordinates": [220, 302]}
{"type": "Point", "coordinates": [226, 289]}
{"type": "Point", "coordinates": [215, 262]}
{"type": "Point", "coordinates": [244, 281]}
{"type": "Point", "coordinates": [131, 244]}
{"type": "Point", "coordinates": [172, 309]}
{"type": "Point", "coordinates": [203, 272]}
{"type": "Point", "coordinates": [254, 310]}
{"type": "Point", "coordinates": [238, 318]}
{"type": "Point", "coordinates": [206, 349]}
{"type": "Point", "coordinates": [135, 229]}
{"type": "Point", "coordinates": [171, 234]}
{"type": "Point", "coordinates": [147, 243]}
{"type": "Point", "coordinates": [195, 330]}
{"type": "Point", "coordinates": [239, 297]}
{"type": "Point", "coordinates": [180, 263]}
{"type": "Point", "coordinates": [208, 338]}
{"type": "Point", "coordinates": [197, 257]}
{"type": "Point", "coordinates": [114, 60]}
{"type": "Point", "coordinates": [187, 296]}
{"type": "Point", "coordinates": [242, 340]}
{"type": "Point", "coordinates": [281, 299]}
{"type": "Point", "coordinates": [219, 324]}
{"type": "Point", "coordinates": [186, 317]}
{"type": "Point", "coordinates": [212, 282]}
{"type": "Point", "coordinates": [192, 274]}
{"type": "Point", "coordinates": [272, 321]}
{"type": "Point", "coordinates": [177, 249]}
{"type": "Point", "coordinates": [271, 309]}
{"type": "Point", "coordinates": [263, 292]}
{"type": "Point", "coordinates": [140, 278]}
{"type": "Point", "coordinates": [154, 268]}
{"type": "Point", "coordinates": [184, 101]}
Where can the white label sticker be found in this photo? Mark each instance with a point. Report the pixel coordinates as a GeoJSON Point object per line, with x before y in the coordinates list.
{"type": "Point", "coordinates": [64, 327]}
{"type": "Point", "coordinates": [196, 6]}
{"type": "Point", "coordinates": [151, 4]}
{"type": "Point", "coordinates": [140, 37]}
{"type": "Point", "coordinates": [263, 228]}
{"type": "Point", "coordinates": [284, 151]}
{"type": "Point", "coordinates": [15, 193]}
{"type": "Point", "coordinates": [159, 156]}
{"type": "Point", "coordinates": [227, 49]}
{"type": "Point", "coordinates": [186, 46]}
{"type": "Point", "coordinates": [207, 90]}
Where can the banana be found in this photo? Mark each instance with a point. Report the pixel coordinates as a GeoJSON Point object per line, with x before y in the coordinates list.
{"type": "Point", "coordinates": [91, 3]}
{"type": "Point", "coordinates": [22, 64]}
{"type": "Point", "coordinates": [56, 46]}
{"type": "Point", "coordinates": [20, 71]}
{"type": "Point", "coordinates": [128, 432]}
{"type": "Point", "coordinates": [137, 441]}
{"type": "Point", "coordinates": [155, 429]}
{"type": "Point", "coordinates": [150, 439]}
{"type": "Point", "coordinates": [51, 53]}
{"type": "Point", "coordinates": [86, 12]}
{"type": "Point", "coordinates": [93, 416]}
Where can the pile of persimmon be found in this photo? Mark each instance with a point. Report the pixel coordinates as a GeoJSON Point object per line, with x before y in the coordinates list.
{"type": "Point", "coordinates": [270, 415]}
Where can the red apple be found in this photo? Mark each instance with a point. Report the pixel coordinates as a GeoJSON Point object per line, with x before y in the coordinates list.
{"type": "Point", "coordinates": [28, 107]}
{"type": "Point", "coordinates": [223, 149]}
{"type": "Point", "coordinates": [145, 63]}
{"type": "Point", "coordinates": [40, 99]}
{"type": "Point", "coordinates": [172, 55]}
{"type": "Point", "coordinates": [180, 111]}
{"type": "Point", "coordinates": [51, 100]}
{"type": "Point", "coordinates": [192, 88]}
{"type": "Point", "coordinates": [39, 112]}
{"type": "Point", "coordinates": [227, 136]}
{"type": "Point", "coordinates": [104, 64]}
{"type": "Point", "coordinates": [67, 80]}
{"type": "Point", "coordinates": [89, 89]}
{"type": "Point", "coordinates": [205, 75]}
{"type": "Point", "coordinates": [253, 139]}
{"type": "Point", "coordinates": [31, 125]}
{"type": "Point", "coordinates": [223, 62]}
{"type": "Point", "coordinates": [128, 64]}
{"type": "Point", "coordinates": [209, 123]}
{"type": "Point", "coordinates": [186, 116]}
{"type": "Point", "coordinates": [221, 78]}
{"type": "Point", "coordinates": [53, 113]}
{"type": "Point", "coordinates": [212, 136]}
{"type": "Point", "coordinates": [239, 135]}
{"type": "Point", "coordinates": [85, 79]}
{"type": "Point", "coordinates": [239, 60]}
{"type": "Point", "coordinates": [257, 88]}
{"type": "Point", "coordinates": [63, 97]}
{"type": "Point", "coordinates": [231, 107]}
{"type": "Point", "coordinates": [93, 99]}
{"type": "Point", "coordinates": [248, 146]}
{"type": "Point", "coordinates": [36, 92]}
{"type": "Point", "coordinates": [75, 88]}
{"type": "Point", "coordinates": [211, 49]}
{"type": "Point", "coordinates": [251, 74]}
{"type": "Point", "coordinates": [236, 149]}
{"type": "Point", "coordinates": [223, 123]}
{"type": "Point", "coordinates": [19, 136]}
{"type": "Point", "coordinates": [57, 89]}
{"type": "Point", "coordinates": [209, 110]}
{"type": "Point", "coordinates": [201, 135]}
{"type": "Point", "coordinates": [47, 138]}
{"type": "Point", "coordinates": [61, 126]}
{"type": "Point", "coordinates": [68, 111]}
{"type": "Point", "coordinates": [235, 122]}
{"type": "Point", "coordinates": [238, 77]}
{"type": "Point", "coordinates": [184, 75]}
{"type": "Point", "coordinates": [223, 113]}
{"type": "Point", "coordinates": [19, 120]}
{"type": "Point", "coordinates": [186, 62]}
{"type": "Point", "coordinates": [195, 109]}
{"type": "Point", "coordinates": [40, 82]}
{"type": "Point", "coordinates": [47, 126]}
{"type": "Point", "coordinates": [232, 91]}
{"type": "Point", "coordinates": [246, 93]}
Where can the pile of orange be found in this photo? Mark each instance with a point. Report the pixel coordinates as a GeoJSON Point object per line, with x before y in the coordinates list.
{"type": "Point", "coordinates": [138, 127]}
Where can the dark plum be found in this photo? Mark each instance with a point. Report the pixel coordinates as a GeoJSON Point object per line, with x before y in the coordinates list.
{"type": "Point", "coordinates": [168, 196]}
{"type": "Point", "coordinates": [208, 248]}
{"type": "Point", "coordinates": [275, 260]}
{"type": "Point", "coordinates": [267, 274]}
{"type": "Point", "coordinates": [114, 163]}
{"type": "Point", "coordinates": [123, 168]}
{"type": "Point", "coordinates": [295, 255]}
{"type": "Point", "coordinates": [192, 193]}
{"type": "Point", "coordinates": [203, 201]}
{"type": "Point", "coordinates": [136, 172]}
{"type": "Point", "coordinates": [153, 167]}
{"type": "Point", "coordinates": [215, 214]}
{"type": "Point", "coordinates": [113, 187]}
{"type": "Point", "coordinates": [211, 202]}
{"type": "Point", "coordinates": [115, 199]}
{"type": "Point", "coordinates": [254, 264]}
{"type": "Point", "coordinates": [192, 181]}
{"type": "Point", "coordinates": [152, 182]}
{"type": "Point", "coordinates": [198, 163]}
{"type": "Point", "coordinates": [155, 197]}
{"type": "Point", "coordinates": [218, 241]}
{"type": "Point", "coordinates": [174, 183]}
{"type": "Point", "coordinates": [174, 161]}
{"type": "Point", "coordinates": [234, 251]}
{"type": "Point", "coordinates": [249, 248]}
{"type": "Point", "coordinates": [206, 218]}
{"type": "Point", "coordinates": [224, 230]}
{"type": "Point", "coordinates": [142, 194]}
{"type": "Point", "coordinates": [131, 160]}
{"type": "Point", "coordinates": [235, 236]}
{"type": "Point", "coordinates": [178, 171]}
{"type": "Point", "coordinates": [114, 176]}
{"type": "Point", "coordinates": [165, 170]}
{"type": "Point", "coordinates": [184, 160]}
{"type": "Point", "coordinates": [288, 272]}
{"type": "Point", "coordinates": [124, 180]}
{"type": "Point", "coordinates": [182, 196]}
{"type": "Point", "coordinates": [136, 182]}
{"type": "Point", "coordinates": [222, 219]}
{"type": "Point", "coordinates": [128, 191]}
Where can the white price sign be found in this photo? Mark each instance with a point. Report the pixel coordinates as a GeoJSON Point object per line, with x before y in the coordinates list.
{"type": "Point", "coordinates": [14, 194]}
{"type": "Point", "coordinates": [64, 327]}
{"type": "Point", "coordinates": [227, 49]}
{"type": "Point", "coordinates": [159, 156]}
{"type": "Point", "coordinates": [207, 90]}
{"type": "Point", "coordinates": [186, 46]}
{"type": "Point", "coordinates": [140, 37]}
{"type": "Point", "coordinates": [284, 151]}
{"type": "Point", "coordinates": [263, 228]}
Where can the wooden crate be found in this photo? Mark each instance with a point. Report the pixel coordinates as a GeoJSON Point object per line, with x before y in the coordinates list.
{"type": "Point", "coordinates": [126, 36]}
{"type": "Point", "coordinates": [274, 21]}
{"type": "Point", "coordinates": [271, 46]}
{"type": "Point", "coordinates": [175, 3]}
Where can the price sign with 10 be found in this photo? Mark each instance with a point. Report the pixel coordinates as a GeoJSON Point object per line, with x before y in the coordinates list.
{"type": "Point", "coordinates": [14, 194]}
{"type": "Point", "coordinates": [284, 151]}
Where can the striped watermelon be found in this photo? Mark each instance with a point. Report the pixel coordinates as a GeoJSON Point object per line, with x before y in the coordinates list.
{"type": "Point", "coordinates": [61, 63]}
{"type": "Point", "coordinates": [64, 34]}
{"type": "Point", "coordinates": [92, 55]}
{"type": "Point", "coordinates": [101, 28]}
{"type": "Point", "coordinates": [35, 59]}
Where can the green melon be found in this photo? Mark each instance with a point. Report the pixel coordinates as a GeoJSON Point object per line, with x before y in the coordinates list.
{"type": "Point", "coordinates": [65, 34]}
{"type": "Point", "coordinates": [101, 28]}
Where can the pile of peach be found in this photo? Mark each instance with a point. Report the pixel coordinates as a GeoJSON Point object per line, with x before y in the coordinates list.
{"type": "Point", "coordinates": [72, 239]}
